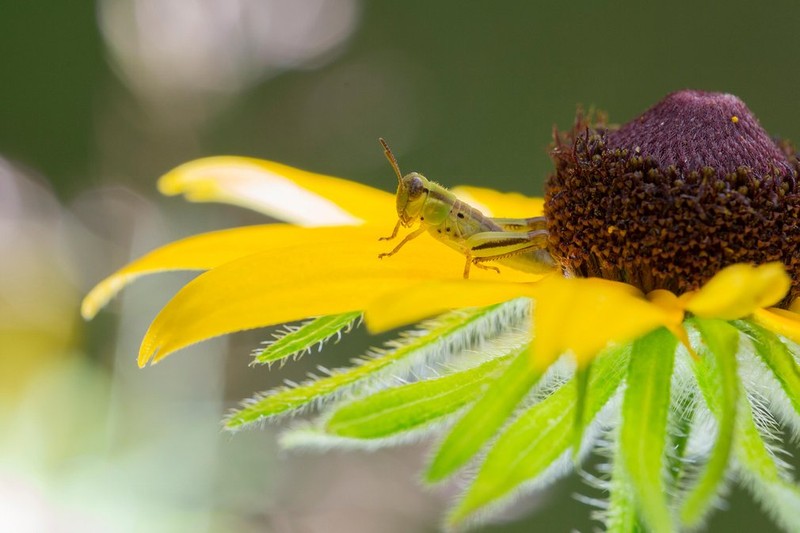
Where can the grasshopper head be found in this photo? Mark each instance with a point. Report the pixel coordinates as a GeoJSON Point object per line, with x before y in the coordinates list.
{"type": "Point", "coordinates": [412, 191]}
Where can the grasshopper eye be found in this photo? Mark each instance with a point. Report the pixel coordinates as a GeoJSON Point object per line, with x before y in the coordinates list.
{"type": "Point", "coordinates": [415, 186]}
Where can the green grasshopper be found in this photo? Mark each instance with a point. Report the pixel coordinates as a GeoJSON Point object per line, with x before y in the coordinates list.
{"type": "Point", "coordinates": [520, 243]}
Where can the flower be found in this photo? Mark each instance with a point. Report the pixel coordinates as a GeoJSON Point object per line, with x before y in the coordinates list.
{"type": "Point", "coordinates": [676, 241]}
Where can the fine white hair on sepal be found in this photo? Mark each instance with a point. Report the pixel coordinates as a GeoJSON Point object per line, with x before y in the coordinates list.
{"type": "Point", "coordinates": [769, 430]}
{"type": "Point", "coordinates": [558, 469]}
{"type": "Point", "coordinates": [606, 450]}
{"type": "Point", "coordinates": [760, 381]}
{"type": "Point", "coordinates": [330, 333]}
{"type": "Point", "coordinates": [506, 324]}
{"type": "Point", "coordinates": [309, 437]}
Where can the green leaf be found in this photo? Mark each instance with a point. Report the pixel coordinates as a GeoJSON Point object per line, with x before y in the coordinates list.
{"type": "Point", "coordinates": [540, 435]}
{"type": "Point", "coordinates": [644, 425]}
{"type": "Point", "coordinates": [412, 406]}
{"type": "Point", "coordinates": [485, 417]}
{"type": "Point", "coordinates": [313, 333]}
{"type": "Point", "coordinates": [719, 357]}
{"type": "Point", "coordinates": [448, 333]}
{"type": "Point", "coordinates": [776, 355]}
{"type": "Point", "coordinates": [762, 476]}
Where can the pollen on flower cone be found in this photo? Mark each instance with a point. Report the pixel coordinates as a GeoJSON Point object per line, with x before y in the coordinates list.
{"type": "Point", "coordinates": [696, 129]}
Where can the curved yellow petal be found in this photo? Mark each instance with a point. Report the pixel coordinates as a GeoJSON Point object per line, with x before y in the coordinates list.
{"type": "Point", "coordinates": [415, 303]}
{"type": "Point", "coordinates": [315, 272]}
{"type": "Point", "coordinates": [582, 316]}
{"type": "Point", "coordinates": [738, 290]}
{"type": "Point", "coordinates": [780, 321]}
{"type": "Point", "coordinates": [284, 192]}
{"type": "Point", "coordinates": [667, 301]}
{"type": "Point", "coordinates": [199, 252]}
{"type": "Point", "coordinates": [500, 204]}
{"type": "Point", "coordinates": [674, 308]}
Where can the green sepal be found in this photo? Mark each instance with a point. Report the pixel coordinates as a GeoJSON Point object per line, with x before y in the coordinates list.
{"type": "Point", "coordinates": [540, 435]}
{"type": "Point", "coordinates": [313, 333]}
{"type": "Point", "coordinates": [718, 359]}
{"type": "Point", "coordinates": [485, 417]}
{"type": "Point", "coordinates": [620, 516]}
{"type": "Point", "coordinates": [579, 421]}
{"type": "Point", "coordinates": [643, 433]}
{"type": "Point", "coordinates": [756, 465]}
{"type": "Point", "coordinates": [409, 407]}
{"type": "Point", "coordinates": [769, 483]}
{"type": "Point", "coordinates": [448, 331]}
{"type": "Point", "coordinates": [776, 355]}
{"type": "Point", "coordinates": [681, 423]}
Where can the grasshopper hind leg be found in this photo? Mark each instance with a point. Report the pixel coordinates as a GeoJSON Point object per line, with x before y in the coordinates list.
{"type": "Point", "coordinates": [521, 250]}
{"type": "Point", "coordinates": [477, 261]}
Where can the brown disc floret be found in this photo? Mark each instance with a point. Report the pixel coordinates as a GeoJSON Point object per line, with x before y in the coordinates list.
{"type": "Point", "coordinates": [670, 198]}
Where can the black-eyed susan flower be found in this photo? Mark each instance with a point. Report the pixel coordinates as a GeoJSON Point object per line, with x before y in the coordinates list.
{"type": "Point", "coordinates": [665, 337]}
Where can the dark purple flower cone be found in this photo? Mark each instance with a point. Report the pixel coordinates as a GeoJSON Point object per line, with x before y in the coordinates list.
{"type": "Point", "coordinates": [667, 200]}
{"type": "Point", "coordinates": [696, 129]}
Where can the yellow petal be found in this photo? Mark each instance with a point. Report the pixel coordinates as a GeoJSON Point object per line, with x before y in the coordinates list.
{"type": "Point", "coordinates": [312, 272]}
{"type": "Point", "coordinates": [780, 321]}
{"type": "Point", "coordinates": [500, 204]}
{"type": "Point", "coordinates": [674, 308]}
{"type": "Point", "coordinates": [582, 316]}
{"type": "Point", "coordinates": [667, 301]}
{"type": "Point", "coordinates": [286, 193]}
{"type": "Point", "coordinates": [199, 252]}
{"type": "Point", "coordinates": [738, 290]}
{"type": "Point", "coordinates": [424, 300]}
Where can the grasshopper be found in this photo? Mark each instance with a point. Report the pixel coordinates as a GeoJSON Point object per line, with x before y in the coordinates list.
{"type": "Point", "coordinates": [520, 243]}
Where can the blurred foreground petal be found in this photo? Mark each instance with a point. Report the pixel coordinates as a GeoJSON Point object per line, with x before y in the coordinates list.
{"type": "Point", "coordinates": [424, 300]}
{"type": "Point", "coordinates": [780, 321]}
{"type": "Point", "coordinates": [572, 315]}
{"type": "Point", "coordinates": [738, 290]}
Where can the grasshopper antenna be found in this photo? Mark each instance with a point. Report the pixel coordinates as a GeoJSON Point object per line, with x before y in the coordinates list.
{"type": "Point", "coordinates": [391, 158]}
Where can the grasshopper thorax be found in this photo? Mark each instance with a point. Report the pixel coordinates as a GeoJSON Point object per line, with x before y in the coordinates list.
{"type": "Point", "coordinates": [412, 191]}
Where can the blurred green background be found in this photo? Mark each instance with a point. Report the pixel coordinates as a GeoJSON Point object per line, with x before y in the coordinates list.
{"type": "Point", "coordinates": [97, 99]}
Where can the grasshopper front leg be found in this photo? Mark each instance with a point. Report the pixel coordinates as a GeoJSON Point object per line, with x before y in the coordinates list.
{"type": "Point", "coordinates": [413, 235]}
{"type": "Point", "coordinates": [394, 232]}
